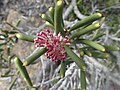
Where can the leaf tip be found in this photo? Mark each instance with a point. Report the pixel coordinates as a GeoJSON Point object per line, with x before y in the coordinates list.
{"type": "Point", "coordinates": [99, 14]}
{"type": "Point", "coordinates": [50, 9]}
{"type": "Point", "coordinates": [97, 25]}
{"type": "Point", "coordinates": [103, 50]}
{"type": "Point", "coordinates": [84, 68]}
{"type": "Point", "coordinates": [15, 59]}
{"type": "Point", "coordinates": [59, 2]}
{"type": "Point", "coordinates": [18, 35]}
{"type": "Point", "coordinates": [25, 63]}
{"type": "Point", "coordinates": [43, 15]}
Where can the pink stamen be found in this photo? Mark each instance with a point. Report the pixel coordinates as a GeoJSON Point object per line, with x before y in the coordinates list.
{"type": "Point", "coordinates": [54, 44]}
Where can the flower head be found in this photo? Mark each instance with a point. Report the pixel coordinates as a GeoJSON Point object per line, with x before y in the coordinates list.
{"type": "Point", "coordinates": [54, 44]}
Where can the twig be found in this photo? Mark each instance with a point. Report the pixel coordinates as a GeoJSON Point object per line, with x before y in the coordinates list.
{"type": "Point", "coordinates": [77, 12]}
{"type": "Point", "coordinates": [111, 7]}
{"type": "Point", "coordinates": [114, 38]}
{"type": "Point", "coordinates": [68, 10]}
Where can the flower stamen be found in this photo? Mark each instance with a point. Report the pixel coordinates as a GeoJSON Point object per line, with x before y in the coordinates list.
{"type": "Point", "coordinates": [54, 44]}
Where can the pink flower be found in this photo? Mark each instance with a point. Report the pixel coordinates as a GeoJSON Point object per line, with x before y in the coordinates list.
{"type": "Point", "coordinates": [54, 44]}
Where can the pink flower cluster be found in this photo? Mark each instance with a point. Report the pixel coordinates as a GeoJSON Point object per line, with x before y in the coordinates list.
{"type": "Point", "coordinates": [54, 44]}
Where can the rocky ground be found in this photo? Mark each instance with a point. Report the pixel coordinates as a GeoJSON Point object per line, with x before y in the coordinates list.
{"type": "Point", "coordinates": [28, 11]}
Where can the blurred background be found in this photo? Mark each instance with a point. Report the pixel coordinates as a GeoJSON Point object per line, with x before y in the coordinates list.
{"type": "Point", "coordinates": [25, 16]}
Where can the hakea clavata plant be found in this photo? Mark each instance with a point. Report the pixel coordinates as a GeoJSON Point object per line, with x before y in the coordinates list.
{"type": "Point", "coordinates": [58, 46]}
{"type": "Point", "coordinates": [54, 45]}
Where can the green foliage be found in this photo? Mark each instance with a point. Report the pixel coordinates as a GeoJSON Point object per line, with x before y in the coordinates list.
{"type": "Point", "coordinates": [29, 60]}
{"type": "Point", "coordinates": [62, 69]}
{"type": "Point", "coordinates": [23, 71]}
{"type": "Point", "coordinates": [83, 6]}
{"type": "Point", "coordinates": [83, 80]}
{"type": "Point", "coordinates": [81, 64]}
{"type": "Point", "coordinates": [89, 46]}
{"type": "Point", "coordinates": [7, 41]}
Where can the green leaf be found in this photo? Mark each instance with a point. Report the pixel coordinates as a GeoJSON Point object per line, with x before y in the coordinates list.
{"type": "Point", "coordinates": [12, 84]}
{"type": "Point", "coordinates": [58, 20]}
{"type": "Point", "coordinates": [2, 44]}
{"type": "Point", "coordinates": [91, 44]}
{"type": "Point", "coordinates": [34, 56]}
{"type": "Point", "coordinates": [62, 69]}
{"type": "Point", "coordinates": [23, 71]}
{"type": "Point", "coordinates": [81, 64]}
{"type": "Point", "coordinates": [98, 35]}
{"type": "Point", "coordinates": [111, 48]}
{"type": "Point", "coordinates": [47, 18]}
{"type": "Point", "coordinates": [83, 79]}
{"type": "Point", "coordinates": [86, 21]}
{"type": "Point", "coordinates": [25, 37]}
{"type": "Point", "coordinates": [85, 30]}
{"type": "Point", "coordinates": [13, 32]}
{"type": "Point", "coordinates": [51, 12]}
